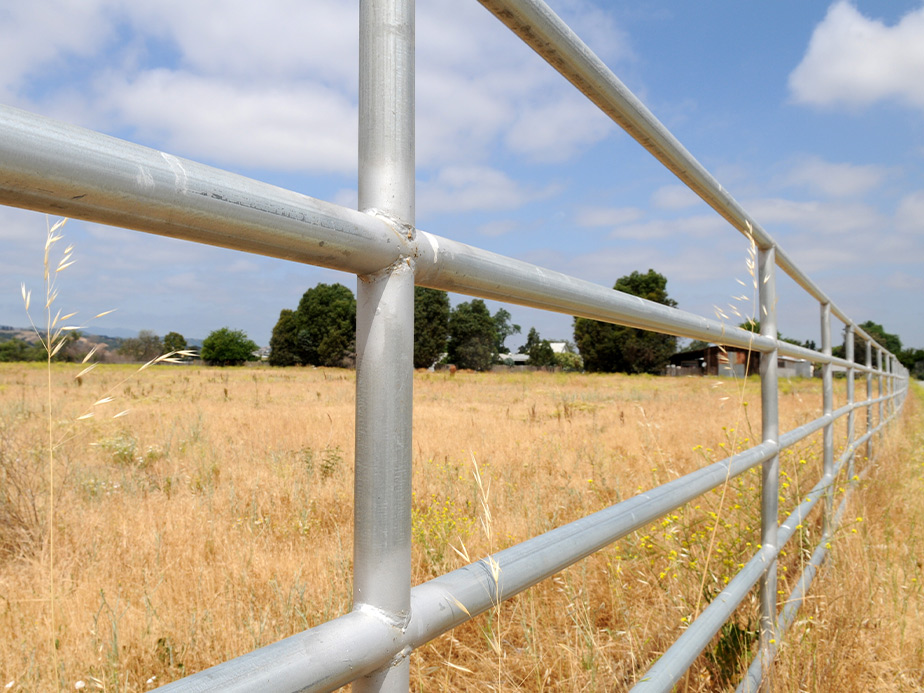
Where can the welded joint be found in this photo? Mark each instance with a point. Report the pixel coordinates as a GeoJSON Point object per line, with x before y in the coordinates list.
{"type": "Point", "coordinates": [403, 263]}
{"type": "Point", "coordinates": [406, 234]}
{"type": "Point", "coordinates": [405, 231]}
{"type": "Point", "coordinates": [397, 622]}
{"type": "Point", "coordinates": [393, 619]}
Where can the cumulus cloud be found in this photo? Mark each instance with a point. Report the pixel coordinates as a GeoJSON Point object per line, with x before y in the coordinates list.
{"type": "Point", "coordinates": [607, 216]}
{"type": "Point", "coordinates": [856, 61]}
{"type": "Point", "coordinates": [500, 227]}
{"type": "Point", "coordinates": [686, 228]}
{"type": "Point", "coordinates": [269, 42]}
{"type": "Point", "coordinates": [274, 84]}
{"type": "Point", "coordinates": [832, 218]}
{"type": "Point", "coordinates": [688, 264]}
{"type": "Point", "coordinates": [556, 130]}
{"type": "Point", "coordinates": [474, 188]}
{"type": "Point", "coordinates": [836, 180]}
{"type": "Point", "coordinates": [39, 37]}
{"type": "Point", "coordinates": [902, 281]}
{"type": "Point", "coordinates": [910, 214]}
{"type": "Point", "coordinates": [480, 90]}
{"type": "Point", "coordinates": [675, 197]}
{"type": "Point", "coordinates": [304, 126]}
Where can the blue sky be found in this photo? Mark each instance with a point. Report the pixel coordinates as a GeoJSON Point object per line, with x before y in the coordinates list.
{"type": "Point", "coordinates": [810, 114]}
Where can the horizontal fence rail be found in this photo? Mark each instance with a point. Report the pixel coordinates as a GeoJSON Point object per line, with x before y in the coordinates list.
{"type": "Point", "coordinates": [232, 211]}
{"type": "Point", "coordinates": [62, 169]}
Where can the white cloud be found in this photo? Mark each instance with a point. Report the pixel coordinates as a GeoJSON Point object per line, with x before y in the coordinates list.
{"type": "Point", "coordinates": [346, 197]}
{"type": "Point", "coordinates": [813, 256]}
{"type": "Point", "coordinates": [910, 214]}
{"type": "Point", "coordinates": [480, 89]}
{"type": "Point", "coordinates": [688, 263]}
{"type": "Point", "coordinates": [270, 42]}
{"type": "Point", "coordinates": [857, 61]}
{"type": "Point", "coordinates": [36, 37]}
{"type": "Point", "coordinates": [675, 197]}
{"type": "Point", "coordinates": [686, 228]}
{"type": "Point", "coordinates": [459, 118]}
{"type": "Point", "coordinates": [902, 281]}
{"type": "Point", "coordinates": [191, 283]}
{"type": "Point", "coordinates": [474, 188]}
{"type": "Point", "coordinates": [243, 265]}
{"type": "Point", "coordinates": [844, 236]}
{"type": "Point", "coordinates": [500, 227]}
{"type": "Point", "coordinates": [833, 218]}
{"type": "Point", "coordinates": [555, 130]}
{"type": "Point", "coordinates": [607, 216]}
{"type": "Point", "coordinates": [836, 180]}
{"type": "Point", "coordinates": [597, 29]}
{"type": "Point", "coordinates": [274, 84]}
{"type": "Point", "coordinates": [304, 126]}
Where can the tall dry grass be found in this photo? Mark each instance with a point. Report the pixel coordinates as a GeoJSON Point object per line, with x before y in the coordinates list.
{"type": "Point", "coordinates": [216, 518]}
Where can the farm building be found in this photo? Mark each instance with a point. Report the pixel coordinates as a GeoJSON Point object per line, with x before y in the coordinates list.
{"type": "Point", "coordinates": [732, 361]}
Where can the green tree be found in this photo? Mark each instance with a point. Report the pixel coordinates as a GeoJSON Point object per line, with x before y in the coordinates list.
{"type": "Point", "coordinates": [532, 339]}
{"type": "Point", "coordinates": [321, 331]}
{"type": "Point", "coordinates": [431, 325]}
{"type": "Point", "coordinates": [539, 350]}
{"type": "Point", "coordinates": [472, 336]}
{"type": "Point", "coordinates": [569, 362]}
{"type": "Point", "coordinates": [227, 347]}
{"type": "Point", "coordinates": [890, 341]}
{"type": "Point", "coordinates": [541, 355]}
{"type": "Point", "coordinates": [326, 318]}
{"type": "Point", "coordinates": [913, 360]}
{"type": "Point", "coordinates": [613, 348]}
{"type": "Point", "coordinates": [503, 328]}
{"type": "Point", "coordinates": [752, 325]}
{"type": "Point", "coordinates": [20, 350]}
{"type": "Point", "coordinates": [146, 346]}
{"type": "Point", "coordinates": [284, 340]}
{"type": "Point", "coordinates": [174, 341]}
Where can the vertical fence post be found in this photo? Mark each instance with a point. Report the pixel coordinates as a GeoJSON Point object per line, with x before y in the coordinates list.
{"type": "Point", "coordinates": [848, 354]}
{"type": "Point", "coordinates": [769, 397]}
{"type": "Point", "coordinates": [828, 394]}
{"type": "Point", "coordinates": [890, 367]}
{"type": "Point", "coordinates": [879, 389]}
{"type": "Point", "coordinates": [385, 330]}
{"type": "Point", "coordinates": [869, 397]}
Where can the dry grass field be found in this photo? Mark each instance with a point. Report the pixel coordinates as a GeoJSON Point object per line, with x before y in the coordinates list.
{"type": "Point", "coordinates": [215, 517]}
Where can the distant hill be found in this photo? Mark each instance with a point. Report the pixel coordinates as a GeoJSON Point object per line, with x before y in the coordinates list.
{"type": "Point", "coordinates": [112, 341]}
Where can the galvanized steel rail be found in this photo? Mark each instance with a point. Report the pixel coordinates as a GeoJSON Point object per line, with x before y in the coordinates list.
{"type": "Point", "coordinates": [62, 169]}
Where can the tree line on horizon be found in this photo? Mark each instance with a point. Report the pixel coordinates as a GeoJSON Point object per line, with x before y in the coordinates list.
{"type": "Point", "coordinates": [321, 331]}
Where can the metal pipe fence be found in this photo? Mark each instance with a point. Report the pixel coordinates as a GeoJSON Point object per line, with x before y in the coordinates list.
{"type": "Point", "coordinates": [62, 169]}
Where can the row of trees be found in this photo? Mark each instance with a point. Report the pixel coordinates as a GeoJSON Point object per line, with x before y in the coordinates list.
{"type": "Point", "coordinates": [912, 359]}
{"type": "Point", "coordinates": [146, 346]}
{"type": "Point", "coordinates": [222, 347]}
{"type": "Point", "coordinates": [321, 331]}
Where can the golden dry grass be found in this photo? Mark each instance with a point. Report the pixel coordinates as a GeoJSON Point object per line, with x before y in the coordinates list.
{"type": "Point", "coordinates": [216, 518]}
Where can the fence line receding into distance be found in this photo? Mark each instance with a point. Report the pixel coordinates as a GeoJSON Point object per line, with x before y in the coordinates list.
{"type": "Point", "coordinates": [65, 170]}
